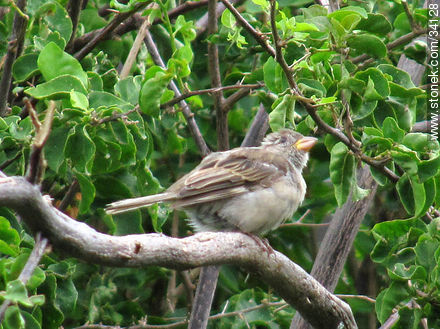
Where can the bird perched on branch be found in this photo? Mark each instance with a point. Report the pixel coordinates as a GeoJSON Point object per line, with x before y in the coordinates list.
{"type": "Point", "coordinates": [248, 189]}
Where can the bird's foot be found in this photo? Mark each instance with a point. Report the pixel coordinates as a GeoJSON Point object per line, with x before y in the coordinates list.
{"type": "Point", "coordinates": [262, 242]}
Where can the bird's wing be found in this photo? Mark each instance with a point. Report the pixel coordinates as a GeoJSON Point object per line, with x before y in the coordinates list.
{"type": "Point", "coordinates": [229, 173]}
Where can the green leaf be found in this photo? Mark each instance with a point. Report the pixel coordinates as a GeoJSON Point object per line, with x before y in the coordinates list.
{"type": "Point", "coordinates": [128, 89]}
{"type": "Point", "coordinates": [380, 82]}
{"type": "Point", "coordinates": [103, 98]}
{"type": "Point", "coordinates": [30, 321]}
{"type": "Point", "coordinates": [79, 100]}
{"type": "Point", "coordinates": [87, 192]}
{"type": "Point", "coordinates": [59, 20]}
{"type": "Point", "coordinates": [16, 292]}
{"type": "Point", "coordinates": [376, 23]}
{"type": "Point", "coordinates": [428, 168]}
{"type": "Point", "coordinates": [368, 44]}
{"type": "Point", "coordinates": [228, 19]}
{"type": "Point", "coordinates": [390, 297]}
{"type": "Point", "coordinates": [41, 42]}
{"type": "Point", "coordinates": [53, 316]}
{"type": "Point", "coordinates": [418, 142]}
{"type": "Point", "coordinates": [24, 67]}
{"type": "Point", "coordinates": [8, 234]}
{"type": "Point", "coordinates": [311, 87]}
{"type": "Point", "coordinates": [425, 253]}
{"type": "Point", "coordinates": [151, 92]}
{"type": "Point", "coordinates": [340, 14]}
{"type": "Point", "coordinates": [13, 318]}
{"type": "Point", "coordinates": [401, 85]}
{"type": "Point", "coordinates": [53, 62]}
{"type": "Point", "coordinates": [402, 273]}
{"type": "Point", "coordinates": [274, 77]}
{"type": "Point", "coordinates": [342, 171]}
{"type": "Point", "coordinates": [391, 130]}
{"type": "Point", "coordinates": [128, 223]}
{"type": "Point", "coordinates": [390, 236]}
{"type": "Point", "coordinates": [349, 22]}
{"type": "Point", "coordinates": [361, 108]}
{"type": "Point", "coordinates": [55, 145]}
{"type": "Point", "coordinates": [277, 117]}
{"type": "Point", "coordinates": [67, 295]}
{"type": "Point", "coordinates": [36, 279]}
{"type": "Point", "coordinates": [57, 88]}
{"type": "Point", "coordinates": [80, 149]}
{"type": "Point", "coordinates": [370, 92]}
{"type": "Point", "coordinates": [412, 194]}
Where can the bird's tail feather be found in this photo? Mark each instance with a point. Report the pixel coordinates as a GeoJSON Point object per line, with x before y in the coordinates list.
{"type": "Point", "coordinates": [135, 203]}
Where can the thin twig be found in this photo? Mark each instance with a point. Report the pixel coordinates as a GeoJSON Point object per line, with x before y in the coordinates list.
{"type": "Point", "coordinates": [134, 22]}
{"type": "Point", "coordinates": [409, 15]}
{"type": "Point", "coordinates": [74, 13]}
{"type": "Point", "coordinates": [239, 313]}
{"type": "Point", "coordinates": [216, 81]}
{"type": "Point", "coordinates": [189, 116]}
{"type": "Point", "coordinates": [258, 36]}
{"type": "Point", "coordinates": [229, 102]}
{"type": "Point", "coordinates": [15, 47]}
{"type": "Point", "coordinates": [403, 40]}
{"type": "Point", "coordinates": [28, 269]}
{"type": "Point", "coordinates": [278, 51]}
{"type": "Point", "coordinates": [69, 196]}
{"type": "Point", "coordinates": [118, 19]}
{"type": "Point", "coordinates": [368, 299]}
{"type": "Point", "coordinates": [37, 163]}
{"type": "Point", "coordinates": [135, 49]}
{"type": "Point", "coordinates": [208, 91]}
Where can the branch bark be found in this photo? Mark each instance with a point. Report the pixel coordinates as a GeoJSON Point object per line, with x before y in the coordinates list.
{"type": "Point", "coordinates": [289, 280]}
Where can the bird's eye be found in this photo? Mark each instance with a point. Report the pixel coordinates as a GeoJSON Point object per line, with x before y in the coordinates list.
{"type": "Point", "coordinates": [283, 139]}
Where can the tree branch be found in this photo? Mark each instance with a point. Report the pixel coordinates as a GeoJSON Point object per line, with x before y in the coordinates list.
{"type": "Point", "coordinates": [258, 128]}
{"type": "Point", "coordinates": [74, 13]}
{"type": "Point", "coordinates": [106, 31]}
{"type": "Point", "coordinates": [208, 91]}
{"type": "Point", "coordinates": [189, 116]}
{"type": "Point", "coordinates": [258, 36]}
{"type": "Point", "coordinates": [135, 49]}
{"type": "Point", "coordinates": [216, 81]}
{"type": "Point", "coordinates": [134, 22]}
{"type": "Point", "coordinates": [403, 40]}
{"type": "Point", "coordinates": [28, 269]}
{"type": "Point", "coordinates": [290, 281]}
{"type": "Point", "coordinates": [15, 47]}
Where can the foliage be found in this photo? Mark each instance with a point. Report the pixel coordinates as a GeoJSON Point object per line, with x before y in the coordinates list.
{"type": "Point", "coordinates": [113, 138]}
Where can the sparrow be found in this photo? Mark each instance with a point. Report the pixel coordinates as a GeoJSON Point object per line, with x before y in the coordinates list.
{"type": "Point", "coordinates": [248, 189]}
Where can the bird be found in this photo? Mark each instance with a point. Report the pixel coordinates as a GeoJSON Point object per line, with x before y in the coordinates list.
{"type": "Point", "coordinates": [248, 189]}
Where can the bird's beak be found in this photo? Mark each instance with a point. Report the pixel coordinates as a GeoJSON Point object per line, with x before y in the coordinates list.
{"type": "Point", "coordinates": [305, 143]}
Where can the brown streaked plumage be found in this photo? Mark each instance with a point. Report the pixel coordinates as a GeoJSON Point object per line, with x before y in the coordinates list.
{"type": "Point", "coordinates": [249, 189]}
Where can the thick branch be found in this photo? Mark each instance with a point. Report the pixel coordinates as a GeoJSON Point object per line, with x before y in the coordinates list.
{"type": "Point", "coordinates": [289, 280]}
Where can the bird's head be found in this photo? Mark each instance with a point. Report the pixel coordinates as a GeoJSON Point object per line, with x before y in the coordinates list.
{"type": "Point", "coordinates": [291, 143]}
